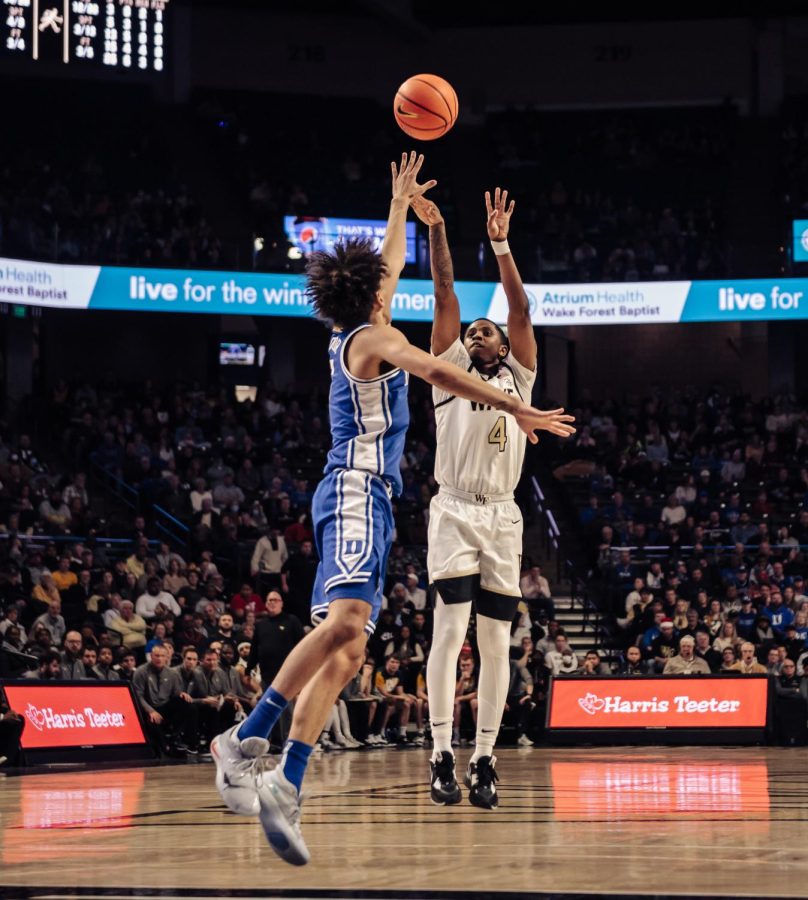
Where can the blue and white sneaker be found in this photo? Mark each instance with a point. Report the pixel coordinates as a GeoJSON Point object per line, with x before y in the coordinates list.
{"type": "Point", "coordinates": [280, 816]}
{"type": "Point", "coordinates": [236, 769]}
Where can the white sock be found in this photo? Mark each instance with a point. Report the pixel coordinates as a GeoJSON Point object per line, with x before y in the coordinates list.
{"type": "Point", "coordinates": [494, 640]}
{"type": "Point", "coordinates": [450, 627]}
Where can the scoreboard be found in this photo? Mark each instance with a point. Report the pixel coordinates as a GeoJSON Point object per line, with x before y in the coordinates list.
{"type": "Point", "coordinates": [117, 34]}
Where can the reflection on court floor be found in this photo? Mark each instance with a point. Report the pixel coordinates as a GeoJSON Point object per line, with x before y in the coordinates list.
{"type": "Point", "coordinates": [654, 788]}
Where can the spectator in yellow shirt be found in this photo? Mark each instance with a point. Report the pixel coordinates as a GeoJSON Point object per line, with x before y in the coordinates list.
{"type": "Point", "coordinates": [63, 577]}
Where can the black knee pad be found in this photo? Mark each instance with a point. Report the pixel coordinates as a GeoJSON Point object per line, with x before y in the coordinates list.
{"type": "Point", "coordinates": [455, 590]}
{"type": "Point", "coordinates": [496, 606]}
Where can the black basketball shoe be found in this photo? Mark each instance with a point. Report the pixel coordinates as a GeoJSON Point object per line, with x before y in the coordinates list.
{"type": "Point", "coordinates": [481, 780]}
{"type": "Point", "coordinates": [444, 789]}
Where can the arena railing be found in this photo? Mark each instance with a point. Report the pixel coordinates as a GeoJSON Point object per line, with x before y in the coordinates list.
{"type": "Point", "coordinates": [117, 548]}
{"type": "Point", "coordinates": [174, 531]}
{"type": "Point", "coordinates": [116, 487]}
{"type": "Point", "coordinates": [655, 552]}
{"type": "Point", "coordinates": [551, 545]}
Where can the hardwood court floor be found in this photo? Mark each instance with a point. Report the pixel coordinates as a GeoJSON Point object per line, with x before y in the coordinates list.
{"type": "Point", "coordinates": [613, 821]}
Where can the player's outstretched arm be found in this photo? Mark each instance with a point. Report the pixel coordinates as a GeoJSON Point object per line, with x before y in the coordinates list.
{"type": "Point", "coordinates": [390, 345]}
{"type": "Point", "coordinates": [520, 327]}
{"type": "Point", "coordinates": [446, 322]}
{"type": "Point", "coordinates": [394, 248]}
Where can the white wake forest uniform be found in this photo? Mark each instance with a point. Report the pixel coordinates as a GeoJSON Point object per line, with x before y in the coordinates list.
{"type": "Point", "coordinates": [475, 526]}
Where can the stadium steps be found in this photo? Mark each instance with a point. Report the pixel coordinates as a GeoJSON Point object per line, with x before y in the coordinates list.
{"type": "Point", "coordinates": [580, 632]}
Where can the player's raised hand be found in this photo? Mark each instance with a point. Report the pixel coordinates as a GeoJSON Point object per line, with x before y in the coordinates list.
{"type": "Point", "coordinates": [555, 421]}
{"type": "Point", "coordinates": [499, 214]}
{"type": "Point", "coordinates": [405, 177]}
{"type": "Point", "coordinates": [426, 210]}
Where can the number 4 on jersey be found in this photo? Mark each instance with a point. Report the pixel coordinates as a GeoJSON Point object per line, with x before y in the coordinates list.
{"type": "Point", "coordinates": [498, 434]}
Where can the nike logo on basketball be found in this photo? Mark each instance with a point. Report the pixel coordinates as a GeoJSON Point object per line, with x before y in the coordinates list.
{"type": "Point", "coordinates": [407, 115]}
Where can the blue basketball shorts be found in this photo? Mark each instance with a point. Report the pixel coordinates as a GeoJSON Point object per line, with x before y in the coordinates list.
{"type": "Point", "coordinates": [353, 531]}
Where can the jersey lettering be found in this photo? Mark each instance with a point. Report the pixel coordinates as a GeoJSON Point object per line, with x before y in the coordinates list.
{"type": "Point", "coordinates": [480, 454]}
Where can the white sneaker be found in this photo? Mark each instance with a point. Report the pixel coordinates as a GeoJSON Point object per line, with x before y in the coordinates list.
{"type": "Point", "coordinates": [327, 744]}
{"type": "Point", "coordinates": [280, 817]}
{"type": "Point", "coordinates": [524, 741]}
{"type": "Point", "coordinates": [236, 770]}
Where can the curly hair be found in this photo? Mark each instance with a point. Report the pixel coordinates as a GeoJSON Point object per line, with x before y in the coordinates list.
{"type": "Point", "coordinates": [342, 285]}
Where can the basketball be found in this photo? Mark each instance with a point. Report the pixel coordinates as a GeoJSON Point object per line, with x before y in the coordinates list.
{"type": "Point", "coordinates": [425, 107]}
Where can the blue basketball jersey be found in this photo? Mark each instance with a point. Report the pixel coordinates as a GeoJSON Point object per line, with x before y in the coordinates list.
{"type": "Point", "coordinates": [369, 418]}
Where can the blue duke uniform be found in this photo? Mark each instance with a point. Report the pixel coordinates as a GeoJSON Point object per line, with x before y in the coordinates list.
{"type": "Point", "coordinates": [352, 509]}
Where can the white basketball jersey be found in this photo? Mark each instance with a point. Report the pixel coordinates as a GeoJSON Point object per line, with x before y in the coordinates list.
{"type": "Point", "coordinates": [480, 449]}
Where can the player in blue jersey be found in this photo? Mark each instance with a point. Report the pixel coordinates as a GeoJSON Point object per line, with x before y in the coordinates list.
{"type": "Point", "coordinates": [351, 290]}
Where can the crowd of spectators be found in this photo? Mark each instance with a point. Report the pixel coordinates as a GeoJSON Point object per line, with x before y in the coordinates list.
{"type": "Point", "coordinates": [116, 193]}
{"type": "Point", "coordinates": [92, 596]}
{"type": "Point", "coordinates": [592, 203]}
{"type": "Point", "coordinates": [694, 510]}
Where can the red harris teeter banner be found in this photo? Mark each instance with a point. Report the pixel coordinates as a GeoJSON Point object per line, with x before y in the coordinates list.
{"type": "Point", "coordinates": [71, 715]}
{"type": "Point", "coordinates": [666, 702]}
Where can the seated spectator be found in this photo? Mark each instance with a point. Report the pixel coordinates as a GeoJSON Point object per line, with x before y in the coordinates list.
{"type": "Point", "coordinates": [103, 670]}
{"type": "Point", "coordinates": [392, 698]}
{"type": "Point", "coordinates": [237, 691]}
{"type": "Point", "coordinates": [728, 659]}
{"type": "Point", "coordinates": [686, 662]}
{"type": "Point", "coordinates": [748, 664]}
{"type": "Point", "coordinates": [409, 654]}
{"type": "Point", "coordinates": [705, 651]}
{"type": "Point", "coordinates": [773, 661]}
{"type": "Point", "coordinates": [50, 668]}
{"type": "Point", "coordinates": [171, 717]}
{"type": "Point", "coordinates": [633, 663]}
{"type": "Point", "coordinates": [535, 590]}
{"type": "Point", "coordinates": [727, 638]}
{"type": "Point", "coordinates": [219, 706]}
{"type": "Point", "coordinates": [416, 596]}
{"type": "Point", "coordinates": [663, 647]}
{"type": "Point", "coordinates": [147, 603]}
{"type": "Point", "coordinates": [592, 665]}
{"type": "Point", "coordinates": [522, 626]}
{"type": "Point", "coordinates": [561, 658]}
{"type": "Point", "coordinates": [72, 657]}
{"type": "Point", "coordinates": [465, 699]}
{"type": "Point", "coordinates": [174, 580]}
{"type": "Point", "coordinates": [55, 515]}
{"type": "Point", "coordinates": [53, 621]}
{"type": "Point", "coordinates": [130, 626]}
{"type": "Point", "coordinates": [42, 596]}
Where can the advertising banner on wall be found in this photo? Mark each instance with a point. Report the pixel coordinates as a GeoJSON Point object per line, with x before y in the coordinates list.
{"type": "Point", "coordinates": [663, 702]}
{"type": "Point", "coordinates": [61, 715]}
{"type": "Point", "coordinates": [265, 294]}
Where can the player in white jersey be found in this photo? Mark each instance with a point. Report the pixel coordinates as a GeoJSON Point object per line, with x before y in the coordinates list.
{"type": "Point", "coordinates": [475, 527]}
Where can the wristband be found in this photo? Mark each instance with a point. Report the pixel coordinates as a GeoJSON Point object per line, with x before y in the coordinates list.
{"type": "Point", "coordinates": [500, 248]}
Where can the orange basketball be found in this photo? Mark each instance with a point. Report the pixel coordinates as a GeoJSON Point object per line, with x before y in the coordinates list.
{"type": "Point", "coordinates": [425, 107]}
